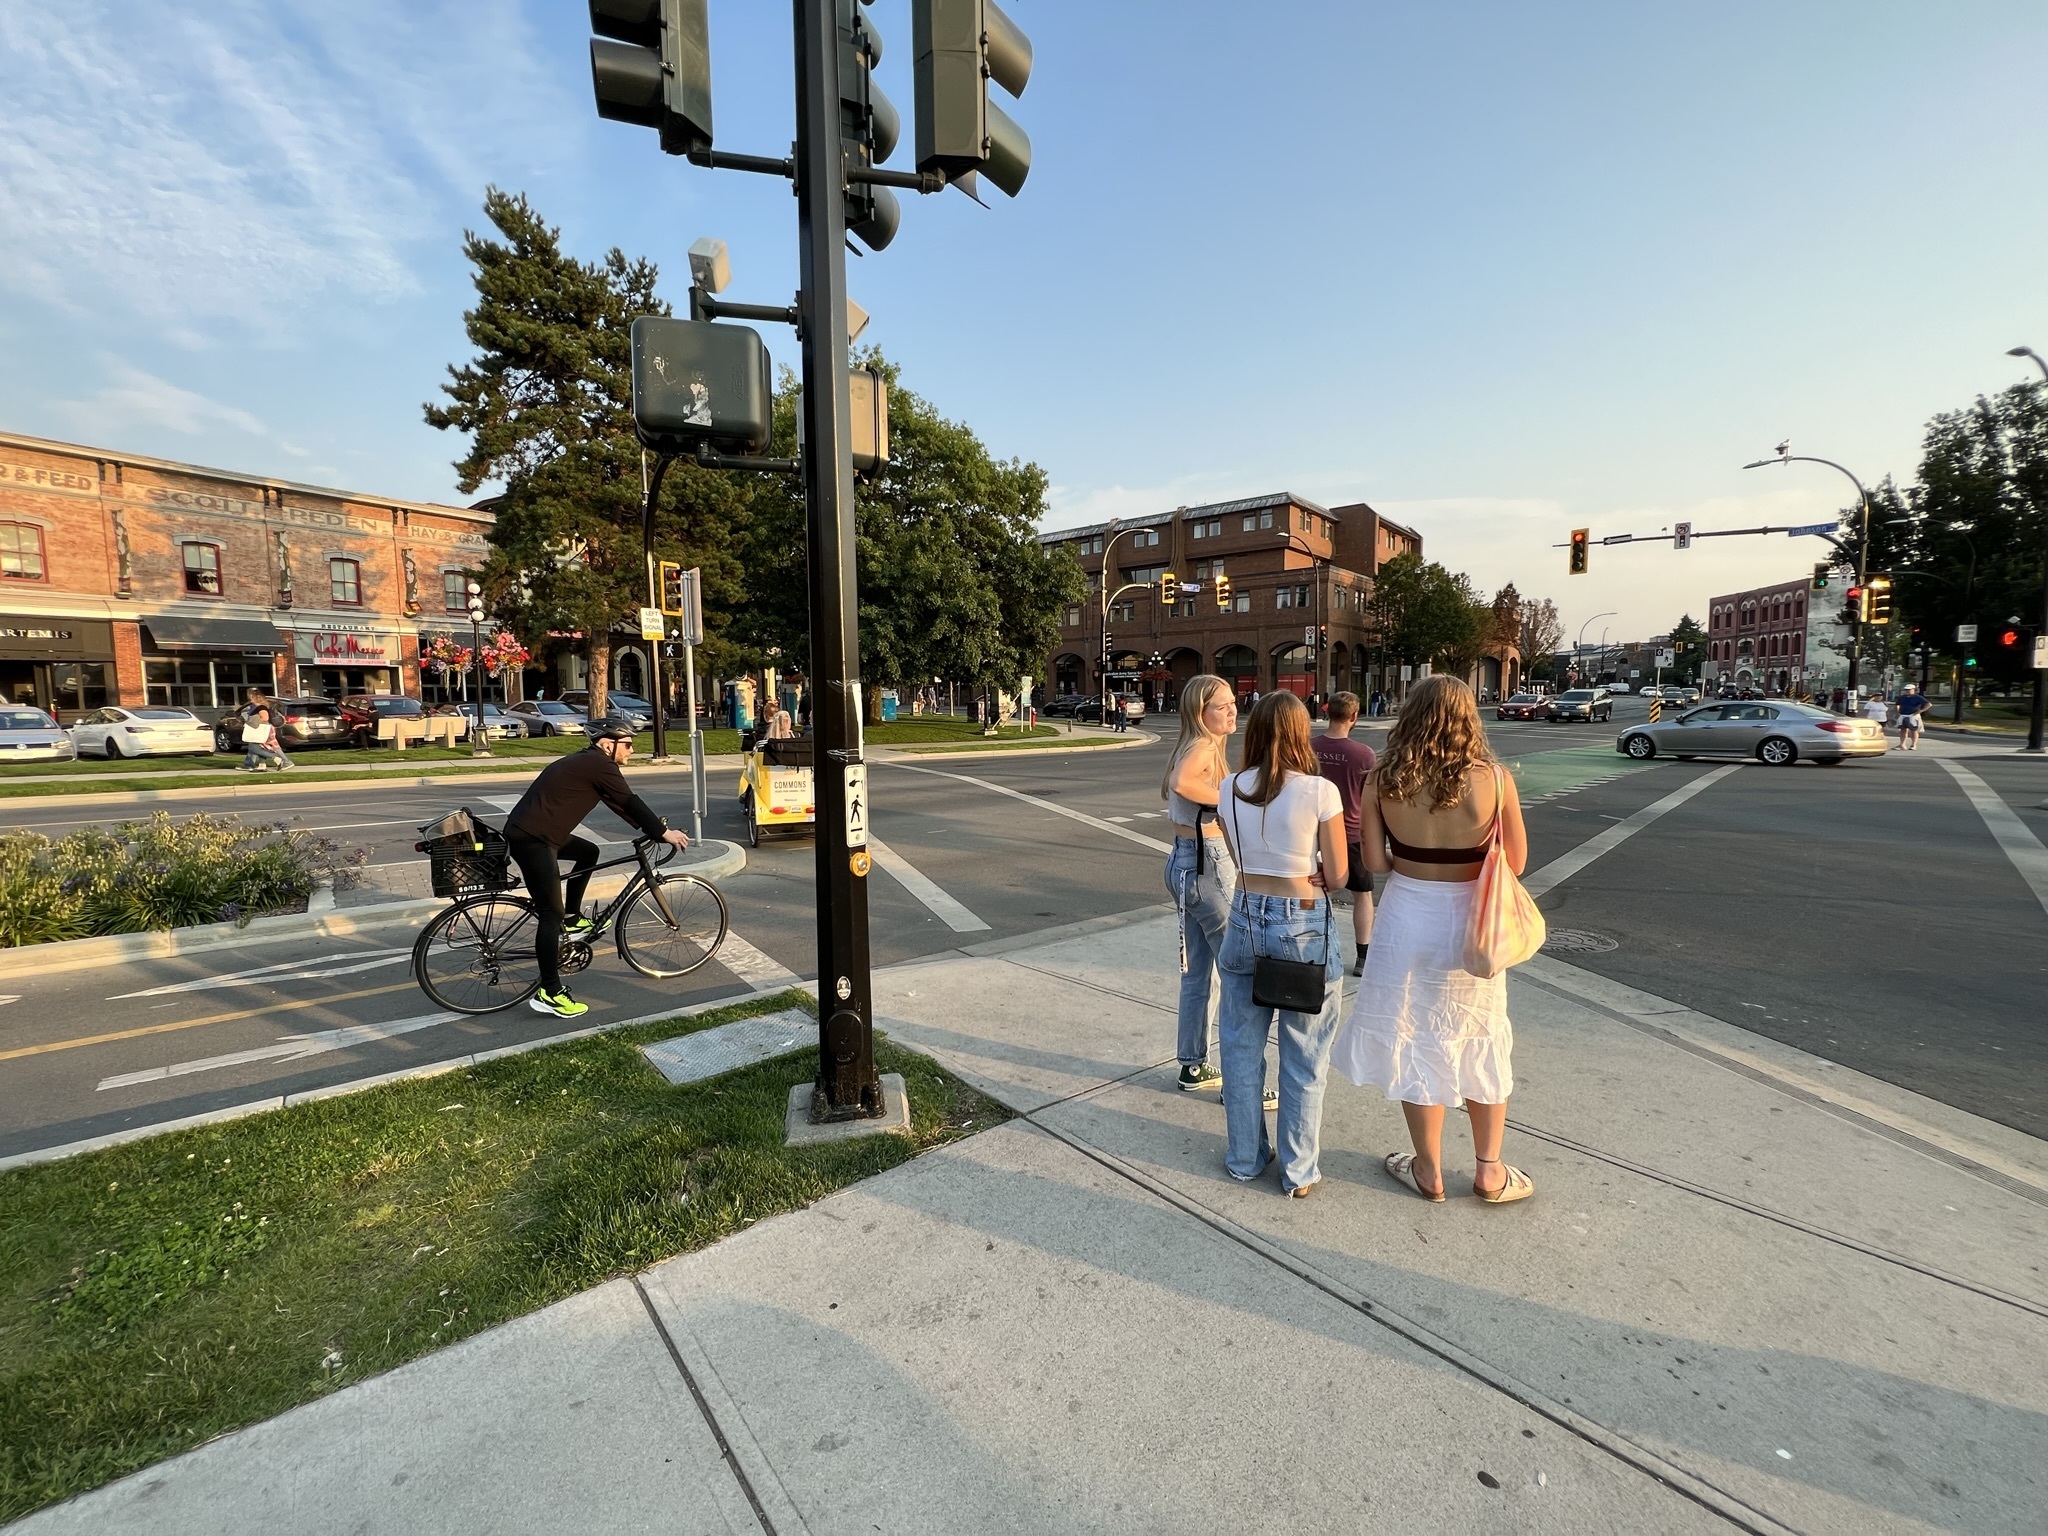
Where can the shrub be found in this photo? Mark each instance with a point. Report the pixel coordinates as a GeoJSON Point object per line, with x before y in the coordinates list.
{"type": "Point", "coordinates": [143, 875]}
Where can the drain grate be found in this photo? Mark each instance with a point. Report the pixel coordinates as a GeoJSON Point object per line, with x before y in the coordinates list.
{"type": "Point", "coordinates": [1579, 941]}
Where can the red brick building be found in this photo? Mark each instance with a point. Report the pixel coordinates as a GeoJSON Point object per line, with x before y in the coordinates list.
{"type": "Point", "coordinates": [131, 580]}
{"type": "Point", "coordinates": [1297, 571]}
{"type": "Point", "coordinates": [1761, 638]}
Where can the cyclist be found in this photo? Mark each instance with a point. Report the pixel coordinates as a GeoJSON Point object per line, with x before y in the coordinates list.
{"type": "Point", "coordinates": [542, 828]}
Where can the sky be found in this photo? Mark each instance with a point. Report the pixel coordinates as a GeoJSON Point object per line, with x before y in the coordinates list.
{"type": "Point", "coordinates": [1501, 270]}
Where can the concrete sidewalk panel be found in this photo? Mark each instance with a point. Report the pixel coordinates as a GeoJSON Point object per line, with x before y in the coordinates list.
{"type": "Point", "coordinates": [1006, 1336]}
{"type": "Point", "coordinates": [573, 1418]}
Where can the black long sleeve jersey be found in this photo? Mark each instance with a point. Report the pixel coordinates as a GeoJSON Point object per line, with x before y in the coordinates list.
{"type": "Point", "coordinates": [569, 789]}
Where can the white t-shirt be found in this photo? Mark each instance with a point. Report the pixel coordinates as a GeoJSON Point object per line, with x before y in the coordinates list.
{"type": "Point", "coordinates": [1279, 837]}
{"type": "Point", "coordinates": [1876, 709]}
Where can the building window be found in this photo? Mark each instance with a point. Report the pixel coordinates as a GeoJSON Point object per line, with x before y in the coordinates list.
{"type": "Point", "coordinates": [202, 570]}
{"type": "Point", "coordinates": [455, 591]}
{"type": "Point", "coordinates": [76, 686]}
{"type": "Point", "coordinates": [1185, 608]}
{"type": "Point", "coordinates": [1258, 520]}
{"type": "Point", "coordinates": [1144, 575]}
{"type": "Point", "coordinates": [1291, 597]}
{"type": "Point", "coordinates": [1073, 616]}
{"type": "Point", "coordinates": [21, 552]}
{"type": "Point", "coordinates": [1145, 538]}
{"type": "Point", "coordinates": [1092, 546]}
{"type": "Point", "coordinates": [1124, 612]}
{"type": "Point", "coordinates": [1209, 530]}
{"type": "Point", "coordinates": [1241, 603]}
{"type": "Point", "coordinates": [190, 683]}
{"type": "Point", "coordinates": [345, 583]}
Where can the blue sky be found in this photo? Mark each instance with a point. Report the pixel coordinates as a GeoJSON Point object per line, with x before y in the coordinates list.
{"type": "Point", "coordinates": [1500, 269]}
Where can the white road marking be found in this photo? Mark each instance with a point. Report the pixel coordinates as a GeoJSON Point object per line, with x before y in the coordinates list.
{"type": "Point", "coordinates": [289, 970]}
{"type": "Point", "coordinates": [753, 967]}
{"type": "Point", "coordinates": [1562, 868]}
{"type": "Point", "coordinates": [2011, 834]}
{"type": "Point", "coordinates": [291, 1048]}
{"type": "Point", "coordinates": [12, 997]}
{"type": "Point", "coordinates": [1044, 805]}
{"type": "Point", "coordinates": [945, 908]}
{"type": "Point", "coordinates": [1121, 820]}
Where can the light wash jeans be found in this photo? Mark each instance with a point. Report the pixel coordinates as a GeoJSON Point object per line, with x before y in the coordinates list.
{"type": "Point", "coordinates": [1203, 902]}
{"type": "Point", "coordinates": [1283, 929]}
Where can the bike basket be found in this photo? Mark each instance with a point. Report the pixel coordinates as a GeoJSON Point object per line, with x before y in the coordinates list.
{"type": "Point", "coordinates": [465, 856]}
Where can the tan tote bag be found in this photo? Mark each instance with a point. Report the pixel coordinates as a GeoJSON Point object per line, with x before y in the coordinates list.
{"type": "Point", "coordinates": [1506, 927]}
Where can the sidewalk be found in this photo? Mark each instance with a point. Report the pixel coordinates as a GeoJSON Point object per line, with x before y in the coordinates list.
{"type": "Point", "coordinates": [1754, 1291]}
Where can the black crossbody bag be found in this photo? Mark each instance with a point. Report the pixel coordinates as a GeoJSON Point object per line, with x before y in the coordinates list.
{"type": "Point", "coordinates": [1296, 985]}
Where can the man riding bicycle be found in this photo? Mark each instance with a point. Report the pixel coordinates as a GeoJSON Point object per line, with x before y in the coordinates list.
{"type": "Point", "coordinates": [542, 828]}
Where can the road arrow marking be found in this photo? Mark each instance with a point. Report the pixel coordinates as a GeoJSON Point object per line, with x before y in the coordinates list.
{"type": "Point", "coordinates": [360, 960]}
{"type": "Point", "coordinates": [291, 1048]}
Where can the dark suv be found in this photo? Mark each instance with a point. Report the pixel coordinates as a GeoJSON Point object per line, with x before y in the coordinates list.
{"type": "Point", "coordinates": [362, 711]}
{"type": "Point", "coordinates": [301, 723]}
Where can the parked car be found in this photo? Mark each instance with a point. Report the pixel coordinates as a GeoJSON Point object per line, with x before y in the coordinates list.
{"type": "Point", "coordinates": [1580, 704]}
{"type": "Point", "coordinates": [1062, 704]}
{"type": "Point", "coordinates": [29, 735]}
{"type": "Point", "coordinates": [361, 712]}
{"type": "Point", "coordinates": [149, 730]}
{"type": "Point", "coordinates": [1089, 712]}
{"type": "Point", "coordinates": [1521, 706]}
{"type": "Point", "coordinates": [549, 717]}
{"type": "Point", "coordinates": [301, 723]}
{"type": "Point", "coordinates": [500, 724]}
{"type": "Point", "coordinates": [1778, 733]}
{"type": "Point", "coordinates": [629, 706]}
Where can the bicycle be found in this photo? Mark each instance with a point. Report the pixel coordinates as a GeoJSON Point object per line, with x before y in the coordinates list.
{"type": "Point", "coordinates": [478, 956]}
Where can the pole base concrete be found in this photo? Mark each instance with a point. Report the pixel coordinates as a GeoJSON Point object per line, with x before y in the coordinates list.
{"type": "Point", "coordinates": [799, 1130]}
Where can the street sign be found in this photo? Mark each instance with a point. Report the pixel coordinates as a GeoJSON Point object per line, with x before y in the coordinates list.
{"type": "Point", "coordinates": [1681, 535]}
{"type": "Point", "coordinates": [1308, 636]}
{"type": "Point", "coordinates": [650, 624]}
{"type": "Point", "coordinates": [1966, 634]}
{"type": "Point", "coordinates": [1667, 658]}
{"type": "Point", "coordinates": [856, 805]}
{"type": "Point", "coordinates": [2041, 653]}
{"type": "Point", "coordinates": [1812, 528]}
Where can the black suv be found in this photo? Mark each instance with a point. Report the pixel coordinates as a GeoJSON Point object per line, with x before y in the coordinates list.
{"type": "Point", "coordinates": [360, 712]}
{"type": "Point", "coordinates": [301, 723]}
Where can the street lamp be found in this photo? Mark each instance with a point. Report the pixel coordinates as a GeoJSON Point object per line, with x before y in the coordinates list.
{"type": "Point", "coordinates": [1579, 645]}
{"type": "Point", "coordinates": [1107, 599]}
{"type": "Point", "coordinates": [1862, 544]}
{"type": "Point", "coordinates": [479, 746]}
{"type": "Point", "coordinates": [1317, 566]}
{"type": "Point", "coordinates": [2034, 725]}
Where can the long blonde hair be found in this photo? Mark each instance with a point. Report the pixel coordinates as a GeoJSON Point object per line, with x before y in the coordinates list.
{"type": "Point", "coordinates": [1436, 740]}
{"type": "Point", "coordinates": [1277, 744]}
{"type": "Point", "coordinates": [1195, 695]}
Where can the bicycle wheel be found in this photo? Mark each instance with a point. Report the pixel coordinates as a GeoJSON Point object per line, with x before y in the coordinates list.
{"type": "Point", "coordinates": [477, 956]}
{"type": "Point", "coordinates": [677, 941]}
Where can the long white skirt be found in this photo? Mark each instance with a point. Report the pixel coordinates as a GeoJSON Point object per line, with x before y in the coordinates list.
{"type": "Point", "coordinates": [1422, 1028]}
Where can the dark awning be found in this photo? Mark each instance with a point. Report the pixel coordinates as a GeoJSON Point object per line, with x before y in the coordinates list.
{"type": "Point", "coordinates": [197, 634]}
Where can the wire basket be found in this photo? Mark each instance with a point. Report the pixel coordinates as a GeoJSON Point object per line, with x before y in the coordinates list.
{"type": "Point", "coordinates": [465, 857]}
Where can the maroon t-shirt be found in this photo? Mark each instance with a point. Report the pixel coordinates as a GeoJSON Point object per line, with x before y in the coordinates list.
{"type": "Point", "coordinates": [1346, 764]}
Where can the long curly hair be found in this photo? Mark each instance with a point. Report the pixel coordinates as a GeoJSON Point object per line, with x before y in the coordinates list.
{"type": "Point", "coordinates": [1277, 744]}
{"type": "Point", "coordinates": [1195, 695]}
{"type": "Point", "coordinates": [1436, 740]}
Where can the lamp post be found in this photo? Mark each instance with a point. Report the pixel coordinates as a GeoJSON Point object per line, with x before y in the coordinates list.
{"type": "Point", "coordinates": [1579, 645]}
{"type": "Point", "coordinates": [1317, 566]}
{"type": "Point", "coordinates": [2034, 724]}
{"type": "Point", "coordinates": [479, 745]}
{"type": "Point", "coordinates": [1862, 548]}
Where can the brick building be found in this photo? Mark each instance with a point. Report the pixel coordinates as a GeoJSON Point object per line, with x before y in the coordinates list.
{"type": "Point", "coordinates": [131, 580]}
{"type": "Point", "coordinates": [1295, 569]}
{"type": "Point", "coordinates": [1766, 639]}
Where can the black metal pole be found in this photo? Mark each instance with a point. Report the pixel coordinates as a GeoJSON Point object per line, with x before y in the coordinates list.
{"type": "Point", "coordinates": [654, 601]}
{"type": "Point", "coordinates": [847, 1084]}
{"type": "Point", "coordinates": [2034, 725]}
{"type": "Point", "coordinates": [480, 744]}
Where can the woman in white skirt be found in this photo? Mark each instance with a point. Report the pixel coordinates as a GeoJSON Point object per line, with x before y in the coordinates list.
{"type": "Point", "coordinates": [1423, 1029]}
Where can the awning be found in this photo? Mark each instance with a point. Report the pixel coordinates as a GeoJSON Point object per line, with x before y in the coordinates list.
{"type": "Point", "coordinates": [197, 634]}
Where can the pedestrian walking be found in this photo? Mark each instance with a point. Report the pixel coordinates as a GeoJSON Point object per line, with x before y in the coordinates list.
{"type": "Point", "coordinates": [1423, 1029]}
{"type": "Point", "coordinates": [1912, 706]}
{"type": "Point", "coordinates": [260, 745]}
{"type": "Point", "coordinates": [1123, 714]}
{"type": "Point", "coordinates": [1282, 818]}
{"type": "Point", "coordinates": [1876, 709]}
{"type": "Point", "coordinates": [1201, 876]}
{"type": "Point", "coordinates": [1348, 764]}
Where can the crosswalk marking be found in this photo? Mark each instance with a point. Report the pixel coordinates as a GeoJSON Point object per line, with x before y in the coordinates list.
{"type": "Point", "coordinates": [756, 969]}
{"type": "Point", "coordinates": [952, 913]}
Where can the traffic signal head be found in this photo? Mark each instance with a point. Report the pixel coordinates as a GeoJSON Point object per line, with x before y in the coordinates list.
{"type": "Point", "coordinates": [1820, 576]}
{"type": "Point", "coordinates": [870, 126]}
{"type": "Point", "coordinates": [1169, 589]}
{"type": "Point", "coordinates": [961, 45]}
{"type": "Point", "coordinates": [671, 586]}
{"type": "Point", "coordinates": [651, 64]}
{"type": "Point", "coordinates": [698, 382]}
{"type": "Point", "coordinates": [1880, 600]}
{"type": "Point", "coordinates": [1222, 591]}
{"type": "Point", "coordinates": [1580, 539]}
{"type": "Point", "coordinates": [2010, 639]}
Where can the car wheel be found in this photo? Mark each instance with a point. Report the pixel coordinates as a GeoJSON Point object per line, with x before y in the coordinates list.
{"type": "Point", "coordinates": [1640, 747]}
{"type": "Point", "coordinates": [1776, 751]}
{"type": "Point", "coordinates": [221, 742]}
{"type": "Point", "coordinates": [111, 747]}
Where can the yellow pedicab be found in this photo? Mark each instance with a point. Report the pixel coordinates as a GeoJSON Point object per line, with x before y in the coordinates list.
{"type": "Point", "coordinates": [776, 787]}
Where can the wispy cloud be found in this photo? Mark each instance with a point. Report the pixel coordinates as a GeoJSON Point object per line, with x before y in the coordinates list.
{"type": "Point", "coordinates": [134, 400]}
{"type": "Point", "coordinates": [232, 164]}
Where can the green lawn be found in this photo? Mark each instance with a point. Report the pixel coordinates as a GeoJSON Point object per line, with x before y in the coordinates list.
{"type": "Point", "coordinates": [155, 1295]}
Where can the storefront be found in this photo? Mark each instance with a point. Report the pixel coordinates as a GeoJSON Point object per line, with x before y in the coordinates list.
{"type": "Point", "coordinates": [65, 666]}
{"type": "Point", "coordinates": [203, 663]}
{"type": "Point", "coordinates": [335, 660]}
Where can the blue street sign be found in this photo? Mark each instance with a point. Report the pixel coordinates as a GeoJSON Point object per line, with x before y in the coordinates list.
{"type": "Point", "coordinates": [1812, 528]}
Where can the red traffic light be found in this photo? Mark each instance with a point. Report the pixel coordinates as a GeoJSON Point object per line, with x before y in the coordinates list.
{"type": "Point", "coordinates": [1853, 593]}
{"type": "Point", "coordinates": [2010, 639]}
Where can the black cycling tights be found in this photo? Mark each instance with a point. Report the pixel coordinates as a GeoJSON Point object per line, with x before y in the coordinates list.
{"type": "Point", "coordinates": [540, 863]}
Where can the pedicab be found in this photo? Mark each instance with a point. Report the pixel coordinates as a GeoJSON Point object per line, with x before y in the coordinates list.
{"type": "Point", "coordinates": [776, 786]}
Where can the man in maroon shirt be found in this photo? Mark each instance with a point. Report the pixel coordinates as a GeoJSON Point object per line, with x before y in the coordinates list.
{"type": "Point", "coordinates": [1348, 764]}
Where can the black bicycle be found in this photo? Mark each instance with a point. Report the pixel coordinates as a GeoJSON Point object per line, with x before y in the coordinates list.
{"type": "Point", "coordinates": [478, 956]}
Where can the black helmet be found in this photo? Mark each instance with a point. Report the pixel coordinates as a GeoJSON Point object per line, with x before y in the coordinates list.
{"type": "Point", "coordinates": [612, 728]}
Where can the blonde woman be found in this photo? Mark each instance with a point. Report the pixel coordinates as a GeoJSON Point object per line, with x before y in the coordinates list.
{"type": "Point", "coordinates": [1200, 875]}
{"type": "Point", "coordinates": [1423, 1029]}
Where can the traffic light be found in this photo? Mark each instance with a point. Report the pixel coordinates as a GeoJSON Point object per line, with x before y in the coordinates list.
{"type": "Point", "coordinates": [1169, 589]}
{"type": "Point", "coordinates": [869, 125]}
{"type": "Point", "coordinates": [1322, 637]}
{"type": "Point", "coordinates": [671, 585]}
{"type": "Point", "coordinates": [1580, 539]}
{"type": "Point", "coordinates": [1820, 576]}
{"type": "Point", "coordinates": [1880, 600]}
{"type": "Point", "coordinates": [1222, 591]}
{"type": "Point", "coordinates": [1857, 610]}
{"type": "Point", "coordinates": [960, 46]}
{"type": "Point", "coordinates": [2009, 640]}
{"type": "Point", "coordinates": [650, 64]}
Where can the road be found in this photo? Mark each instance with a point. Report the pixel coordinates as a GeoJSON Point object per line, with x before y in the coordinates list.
{"type": "Point", "coordinates": [1864, 914]}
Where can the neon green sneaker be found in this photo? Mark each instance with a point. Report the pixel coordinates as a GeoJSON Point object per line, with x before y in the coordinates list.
{"type": "Point", "coordinates": [578, 927]}
{"type": "Point", "coordinates": [560, 1004]}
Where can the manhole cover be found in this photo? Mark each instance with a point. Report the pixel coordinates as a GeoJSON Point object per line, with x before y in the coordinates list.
{"type": "Point", "coordinates": [1577, 939]}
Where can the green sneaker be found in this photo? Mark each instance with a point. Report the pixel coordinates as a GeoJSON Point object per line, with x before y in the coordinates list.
{"type": "Point", "coordinates": [578, 927]}
{"type": "Point", "coordinates": [1201, 1075]}
{"type": "Point", "coordinates": [560, 1004]}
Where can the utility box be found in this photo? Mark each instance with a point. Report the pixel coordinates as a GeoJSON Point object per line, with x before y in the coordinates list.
{"type": "Point", "coordinates": [696, 382]}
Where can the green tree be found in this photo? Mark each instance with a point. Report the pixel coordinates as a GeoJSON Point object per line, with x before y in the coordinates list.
{"type": "Point", "coordinates": [1429, 614]}
{"type": "Point", "coordinates": [1688, 649]}
{"type": "Point", "coordinates": [1542, 632]}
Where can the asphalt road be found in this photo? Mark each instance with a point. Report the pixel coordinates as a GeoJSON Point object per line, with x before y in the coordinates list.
{"type": "Point", "coordinates": [1865, 914]}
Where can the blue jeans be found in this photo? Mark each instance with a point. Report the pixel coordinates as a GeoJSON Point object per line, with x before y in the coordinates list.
{"type": "Point", "coordinates": [1203, 903]}
{"type": "Point", "coordinates": [1281, 929]}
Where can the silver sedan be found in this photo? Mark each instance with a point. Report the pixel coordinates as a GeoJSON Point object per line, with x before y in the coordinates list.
{"type": "Point", "coordinates": [1774, 731]}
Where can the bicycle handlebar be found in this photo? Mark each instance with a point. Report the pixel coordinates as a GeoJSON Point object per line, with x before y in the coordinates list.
{"type": "Point", "coordinates": [669, 850]}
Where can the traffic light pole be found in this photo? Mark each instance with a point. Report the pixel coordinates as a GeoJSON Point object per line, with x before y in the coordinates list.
{"type": "Point", "coordinates": [847, 1086]}
{"type": "Point", "coordinates": [656, 682]}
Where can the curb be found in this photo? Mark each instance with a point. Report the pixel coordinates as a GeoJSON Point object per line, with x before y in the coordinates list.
{"type": "Point", "coordinates": [1134, 738]}
{"type": "Point", "coordinates": [287, 927]}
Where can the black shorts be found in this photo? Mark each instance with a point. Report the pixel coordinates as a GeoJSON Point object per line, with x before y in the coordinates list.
{"type": "Point", "coordinates": [1359, 878]}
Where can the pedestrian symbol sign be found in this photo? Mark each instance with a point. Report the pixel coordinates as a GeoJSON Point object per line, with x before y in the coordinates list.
{"type": "Point", "coordinates": [856, 805]}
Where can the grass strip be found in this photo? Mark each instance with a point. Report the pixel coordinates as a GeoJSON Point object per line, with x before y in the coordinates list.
{"type": "Point", "coordinates": [157, 1294]}
{"type": "Point", "coordinates": [1014, 746]}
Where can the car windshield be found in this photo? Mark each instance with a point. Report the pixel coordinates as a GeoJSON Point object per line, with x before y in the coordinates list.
{"type": "Point", "coordinates": [161, 714]}
{"type": "Point", "coordinates": [310, 707]}
{"type": "Point", "coordinates": [1523, 698]}
{"type": "Point", "coordinates": [25, 720]}
{"type": "Point", "coordinates": [1576, 696]}
{"type": "Point", "coordinates": [397, 706]}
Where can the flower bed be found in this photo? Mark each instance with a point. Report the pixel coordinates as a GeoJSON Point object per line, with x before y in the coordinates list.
{"type": "Point", "coordinates": [156, 874]}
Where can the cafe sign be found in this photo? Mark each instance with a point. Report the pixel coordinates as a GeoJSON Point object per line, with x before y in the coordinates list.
{"type": "Point", "coordinates": [344, 648]}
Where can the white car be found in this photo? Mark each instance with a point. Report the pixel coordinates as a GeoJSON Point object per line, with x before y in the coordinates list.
{"type": "Point", "coordinates": [150, 730]}
{"type": "Point", "coordinates": [27, 734]}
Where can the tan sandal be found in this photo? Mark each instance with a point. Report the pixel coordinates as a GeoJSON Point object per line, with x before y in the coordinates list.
{"type": "Point", "coordinates": [1515, 1185]}
{"type": "Point", "coordinates": [1402, 1166]}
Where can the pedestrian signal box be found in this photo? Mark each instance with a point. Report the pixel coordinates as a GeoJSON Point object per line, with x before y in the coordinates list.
{"type": "Point", "coordinates": [696, 383]}
{"type": "Point", "coordinates": [1581, 537]}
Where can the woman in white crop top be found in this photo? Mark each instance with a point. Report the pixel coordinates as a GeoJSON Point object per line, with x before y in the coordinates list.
{"type": "Point", "coordinates": [1280, 814]}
